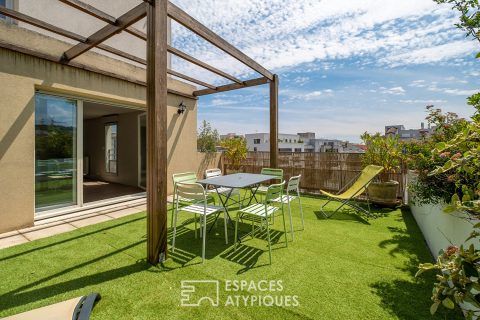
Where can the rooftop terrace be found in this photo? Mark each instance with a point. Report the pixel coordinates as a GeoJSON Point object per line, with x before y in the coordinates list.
{"type": "Point", "coordinates": [341, 268]}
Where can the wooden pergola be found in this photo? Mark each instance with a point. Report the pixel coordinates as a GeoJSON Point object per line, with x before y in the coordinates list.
{"type": "Point", "coordinates": [156, 12]}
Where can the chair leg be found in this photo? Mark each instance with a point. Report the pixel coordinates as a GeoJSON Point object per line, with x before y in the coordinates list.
{"type": "Point", "coordinates": [204, 236]}
{"type": "Point", "coordinates": [285, 226]}
{"type": "Point", "coordinates": [291, 222]}
{"type": "Point", "coordinates": [301, 212]}
{"type": "Point", "coordinates": [236, 233]}
{"type": "Point", "coordinates": [174, 222]}
{"type": "Point", "coordinates": [225, 222]}
{"type": "Point", "coordinates": [195, 220]}
{"type": "Point", "coordinates": [269, 242]}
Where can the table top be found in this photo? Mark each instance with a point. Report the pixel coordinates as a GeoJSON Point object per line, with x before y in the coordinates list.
{"type": "Point", "coordinates": [237, 180]}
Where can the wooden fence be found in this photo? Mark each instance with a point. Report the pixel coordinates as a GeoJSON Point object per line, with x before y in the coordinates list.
{"type": "Point", "coordinates": [320, 170]}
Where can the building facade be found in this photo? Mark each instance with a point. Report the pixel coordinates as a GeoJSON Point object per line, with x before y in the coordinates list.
{"type": "Point", "coordinates": [70, 138]}
{"type": "Point", "coordinates": [286, 142]}
{"type": "Point", "coordinates": [408, 134]}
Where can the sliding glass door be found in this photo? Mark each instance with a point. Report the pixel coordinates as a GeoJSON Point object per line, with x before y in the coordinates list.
{"type": "Point", "coordinates": [56, 134]}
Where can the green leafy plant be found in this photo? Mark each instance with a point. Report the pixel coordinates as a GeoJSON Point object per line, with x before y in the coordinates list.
{"type": "Point", "coordinates": [422, 158]}
{"type": "Point", "coordinates": [458, 278]}
{"type": "Point", "coordinates": [382, 151]}
{"type": "Point", "coordinates": [207, 138]}
{"type": "Point", "coordinates": [235, 151]}
{"type": "Point", "coordinates": [463, 164]}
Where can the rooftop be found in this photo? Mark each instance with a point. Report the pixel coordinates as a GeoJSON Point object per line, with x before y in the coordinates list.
{"type": "Point", "coordinates": [341, 268]}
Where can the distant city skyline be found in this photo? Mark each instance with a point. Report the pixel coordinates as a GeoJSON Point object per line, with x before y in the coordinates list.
{"type": "Point", "coordinates": [337, 79]}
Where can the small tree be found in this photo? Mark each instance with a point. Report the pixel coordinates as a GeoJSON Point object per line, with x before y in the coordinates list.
{"type": "Point", "coordinates": [235, 151]}
{"type": "Point", "coordinates": [207, 138]}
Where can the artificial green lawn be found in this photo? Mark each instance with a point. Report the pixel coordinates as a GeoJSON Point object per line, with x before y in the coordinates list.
{"type": "Point", "coordinates": [341, 268]}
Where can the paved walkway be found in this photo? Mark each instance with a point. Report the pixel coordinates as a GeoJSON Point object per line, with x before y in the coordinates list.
{"type": "Point", "coordinates": [52, 226]}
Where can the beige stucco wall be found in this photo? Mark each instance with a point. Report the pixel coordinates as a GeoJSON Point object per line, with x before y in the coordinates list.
{"type": "Point", "coordinates": [20, 76]}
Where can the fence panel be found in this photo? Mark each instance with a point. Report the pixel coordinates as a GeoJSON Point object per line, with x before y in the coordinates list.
{"type": "Point", "coordinates": [320, 170]}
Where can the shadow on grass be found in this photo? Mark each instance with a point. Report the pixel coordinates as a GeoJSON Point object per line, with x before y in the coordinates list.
{"type": "Point", "coordinates": [246, 256]}
{"type": "Point", "coordinates": [73, 238]}
{"type": "Point", "coordinates": [188, 247]}
{"type": "Point", "coordinates": [397, 295]}
{"type": "Point", "coordinates": [30, 292]}
{"type": "Point", "coordinates": [343, 214]}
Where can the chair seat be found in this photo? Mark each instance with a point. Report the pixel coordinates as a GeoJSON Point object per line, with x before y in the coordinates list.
{"type": "Point", "coordinates": [258, 209]}
{"type": "Point", "coordinates": [342, 196]}
{"type": "Point", "coordinates": [224, 190]}
{"type": "Point", "coordinates": [262, 189]}
{"type": "Point", "coordinates": [199, 209]}
{"type": "Point", "coordinates": [284, 199]}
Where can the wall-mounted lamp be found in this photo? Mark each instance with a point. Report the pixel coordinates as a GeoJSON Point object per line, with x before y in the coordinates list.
{"type": "Point", "coordinates": [181, 108]}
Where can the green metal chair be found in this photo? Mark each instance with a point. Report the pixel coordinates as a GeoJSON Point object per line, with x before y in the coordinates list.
{"type": "Point", "coordinates": [184, 177]}
{"type": "Point", "coordinates": [197, 194]}
{"type": "Point", "coordinates": [261, 212]}
{"type": "Point", "coordinates": [278, 173]}
{"type": "Point", "coordinates": [293, 192]}
{"type": "Point", "coordinates": [360, 185]}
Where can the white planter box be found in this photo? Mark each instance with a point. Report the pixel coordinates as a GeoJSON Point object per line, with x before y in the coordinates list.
{"type": "Point", "coordinates": [441, 229]}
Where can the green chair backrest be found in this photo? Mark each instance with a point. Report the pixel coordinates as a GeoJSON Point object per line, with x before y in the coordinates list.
{"type": "Point", "coordinates": [366, 176]}
{"type": "Point", "coordinates": [274, 191]}
{"type": "Point", "coordinates": [293, 184]}
{"type": "Point", "coordinates": [193, 191]}
{"type": "Point", "coordinates": [273, 172]}
{"type": "Point", "coordinates": [185, 177]}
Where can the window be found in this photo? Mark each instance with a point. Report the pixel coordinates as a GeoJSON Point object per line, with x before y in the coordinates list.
{"type": "Point", "coordinates": [55, 152]}
{"type": "Point", "coordinates": [256, 141]}
{"type": "Point", "coordinates": [255, 149]}
{"type": "Point", "coordinates": [298, 149]}
{"type": "Point", "coordinates": [9, 5]}
{"type": "Point", "coordinates": [111, 148]}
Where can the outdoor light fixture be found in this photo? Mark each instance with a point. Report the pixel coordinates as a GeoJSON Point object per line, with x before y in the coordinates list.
{"type": "Point", "coordinates": [181, 108]}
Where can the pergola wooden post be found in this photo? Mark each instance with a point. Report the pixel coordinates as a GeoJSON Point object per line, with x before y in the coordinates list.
{"type": "Point", "coordinates": [157, 131]}
{"type": "Point", "coordinates": [274, 122]}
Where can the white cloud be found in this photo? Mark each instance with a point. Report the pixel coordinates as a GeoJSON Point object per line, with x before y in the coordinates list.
{"type": "Point", "coordinates": [394, 90]}
{"type": "Point", "coordinates": [425, 101]}
{"type": "Point", "coordinates": [284, 34]}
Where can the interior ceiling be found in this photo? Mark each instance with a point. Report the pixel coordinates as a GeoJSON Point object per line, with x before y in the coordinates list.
{"type": "Point", "coordinates": [93, 110]}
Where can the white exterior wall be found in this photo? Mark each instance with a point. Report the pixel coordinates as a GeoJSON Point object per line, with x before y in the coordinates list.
{"type": "Point", "coordinates": [264, 144]}
{"type": "Point", "coordinates": [441, 229]}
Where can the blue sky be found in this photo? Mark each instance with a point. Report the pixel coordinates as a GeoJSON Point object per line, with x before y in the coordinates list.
{"type": "Point", "coordinates": [344, 69]}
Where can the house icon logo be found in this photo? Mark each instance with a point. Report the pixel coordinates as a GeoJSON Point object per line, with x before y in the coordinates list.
{"type": "Point", "coordinates": [194, 293]}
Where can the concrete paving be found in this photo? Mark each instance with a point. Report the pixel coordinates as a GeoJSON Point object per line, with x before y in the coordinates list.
{"type": "Point", "coordinates": [60, 224]}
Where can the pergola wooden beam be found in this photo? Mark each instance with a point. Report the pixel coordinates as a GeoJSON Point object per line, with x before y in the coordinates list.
{"type": "Point", "coordinates": [190, 23]}
{"type": "Point", "coordinates": [125, 20]}
{"type": "Point", "coordinates": [105, 17]}
{"type": "Point", "coordinates": [201, 64]}
{"type": "Point", "coordinates": [157, 128]}
{"type": "Point", "coordinates": [94, 12]}
{"type": "Point", "coordinates": [274, 122]}
{"type": "Point", "coordinates": [232, 86]}
{"type": "Point", "coordinates": [185, 77]}
{"type": "Point", "coordinates": [65, 33]}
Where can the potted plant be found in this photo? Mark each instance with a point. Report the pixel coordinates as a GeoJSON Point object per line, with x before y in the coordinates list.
{"type": "Point", "coordinates": [235, 151]}
{"type": "Point", "coordinates": [385, 152]}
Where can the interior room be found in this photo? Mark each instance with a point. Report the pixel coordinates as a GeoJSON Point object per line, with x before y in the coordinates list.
{"type": "Point", "coordinates": [112, 152]}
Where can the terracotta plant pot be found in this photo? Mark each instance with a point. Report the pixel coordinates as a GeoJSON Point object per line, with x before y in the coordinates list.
{"type": "Point", "coordinates": [383, 193]}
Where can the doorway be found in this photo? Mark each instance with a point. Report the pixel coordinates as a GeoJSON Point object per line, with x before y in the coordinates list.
{"type": "Point", "coordinates": [86, 153]}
